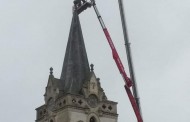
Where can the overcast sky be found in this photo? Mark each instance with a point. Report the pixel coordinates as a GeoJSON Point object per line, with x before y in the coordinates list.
{"type": "Point", "coordinates": [33, 37]}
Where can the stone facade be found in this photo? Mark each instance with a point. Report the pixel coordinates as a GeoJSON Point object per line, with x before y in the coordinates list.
{"type": "Point", "coordinates": [77, 96]}
{"type": "Point", "coordinates": [77, 108]}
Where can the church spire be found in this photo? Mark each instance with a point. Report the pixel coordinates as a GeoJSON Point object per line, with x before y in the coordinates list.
{"type": "Point", "coordinates": [75, 69]}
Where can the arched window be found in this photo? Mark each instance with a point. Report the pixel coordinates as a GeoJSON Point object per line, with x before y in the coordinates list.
{"type": "Point", "coordinates": [51, 120]}
{"type": "Point", "coordinates": [92, 119]}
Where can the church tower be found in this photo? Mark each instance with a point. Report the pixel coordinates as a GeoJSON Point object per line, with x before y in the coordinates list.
{"type": "Point", "coordinates": [77, 96]}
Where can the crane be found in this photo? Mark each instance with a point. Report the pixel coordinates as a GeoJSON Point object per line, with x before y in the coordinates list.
{"type": "Point", "coordinates": [80, 6]}
{"type": "Point", "coordinates": [129, 55]}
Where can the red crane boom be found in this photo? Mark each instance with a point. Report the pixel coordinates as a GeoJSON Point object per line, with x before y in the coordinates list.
{"type": "Point", "coordinates": [128, 82]}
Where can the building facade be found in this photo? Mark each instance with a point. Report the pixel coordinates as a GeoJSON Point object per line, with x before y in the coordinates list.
{"type": "Point", "coordinates": [77, 96]}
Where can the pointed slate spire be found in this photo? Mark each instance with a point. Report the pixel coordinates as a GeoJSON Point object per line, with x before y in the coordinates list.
{"type": "Point", "coordinates": [75, 69]}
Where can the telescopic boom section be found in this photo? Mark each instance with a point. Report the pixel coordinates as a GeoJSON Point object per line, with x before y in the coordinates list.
{"type": "Point", "coordinates": [114, 51]}
{"type": "Point", "coordinates": [129, 54]}
{"type": "Point", "coordinates": [128, 82]}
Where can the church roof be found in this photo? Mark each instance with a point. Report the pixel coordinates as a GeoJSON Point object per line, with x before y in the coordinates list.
{"type": "Point", "coordinates": [75, 69]}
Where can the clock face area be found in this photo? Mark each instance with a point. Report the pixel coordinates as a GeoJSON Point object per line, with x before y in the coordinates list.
{"type": "Point", "coordinates": [92, 101]}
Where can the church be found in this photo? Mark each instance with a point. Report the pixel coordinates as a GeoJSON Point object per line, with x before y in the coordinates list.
{"type": "Point", "coordinates": [77, 96]}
